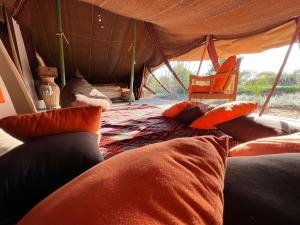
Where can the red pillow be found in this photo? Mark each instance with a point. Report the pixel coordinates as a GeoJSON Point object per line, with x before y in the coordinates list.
{"type": "Point", "coordinates": [174, 110]}
{"type": "Point", "coordinates": [271, 145]}
{"type": "Point", "coordinates": [32, 125]}
{"type": "Point", "coordinates": [175, 182]}
{"type": "Point", "coordinates": [223, 113]}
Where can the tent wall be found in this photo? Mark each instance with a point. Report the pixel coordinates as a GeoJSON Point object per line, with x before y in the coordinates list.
{"type": "Point", "coordinates": [6, 108]}
{"type": "Point", "coordinates": [100, 32]}
{"type": "Point", "coordinates": [19, 95]}
{"type": "Point", "coordinates": [18, 45]}
{"type": "Point", "coordinates": [101, 50]}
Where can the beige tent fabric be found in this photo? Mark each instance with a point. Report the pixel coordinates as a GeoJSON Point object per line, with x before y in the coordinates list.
{"type": "Point", "coordinates": [276, 37]}
{"type": "Point", "coordinates": [19, 95]}
{"type": "Point", "coordinates": [6, 108]}
{"type": "Point", "coordinates": [26, 74]}
{"type": "Point", "coordinates": [12, 41]}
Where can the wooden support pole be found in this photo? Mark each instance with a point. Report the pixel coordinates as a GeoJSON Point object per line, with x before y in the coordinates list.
{"type": "Point", "coordinates": [280, 70]}
{"type": "Point", "coordinates": [203, 53]}
{"type": "Point", "coordinates": [149, 89]}
{"type": "Point", "coordinates": [158, 81]}
{"type": "Point", "coordinates": [159, 50]}
{"type": "Point", "coordinates": [60, 44]}
{"type": "Point", "coordinates": [132, 60]}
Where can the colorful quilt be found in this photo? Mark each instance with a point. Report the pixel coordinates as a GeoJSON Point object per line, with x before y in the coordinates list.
{"type": "Point", "coordinates": [128, 127]}
{"type": "Point", "coordinates": [127, 122]}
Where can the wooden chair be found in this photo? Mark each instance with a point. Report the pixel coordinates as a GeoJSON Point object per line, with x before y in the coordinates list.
{"type": "Point", "coordinates": [222, 85]}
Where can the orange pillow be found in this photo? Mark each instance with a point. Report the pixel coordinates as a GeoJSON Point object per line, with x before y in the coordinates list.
{"type": "Point", "coordinates": [29, 126]}
{"type": "Point", "coordinates": [271, 145]}
{"type": "Point", "coordinates": [227, 66]}
{"type": "Point", "coordinates": [175, 182]}
{"type": "Point", "coordinates": [174, 110]}
{"type": "Point", "coordinates": [223, 113]}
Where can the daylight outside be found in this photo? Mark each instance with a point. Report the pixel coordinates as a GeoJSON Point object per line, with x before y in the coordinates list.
{"type": "Point", "coordinates": [257, 74]}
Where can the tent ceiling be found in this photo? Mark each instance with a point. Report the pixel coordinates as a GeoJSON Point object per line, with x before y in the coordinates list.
{"type": "Point", "coordinates": [193, 18]}
{"type": "Point", "coordinates": [101, 50]}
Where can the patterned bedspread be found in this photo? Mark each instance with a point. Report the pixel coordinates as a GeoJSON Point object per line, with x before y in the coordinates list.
{"type": "Point", "coordinates": [127, 127]}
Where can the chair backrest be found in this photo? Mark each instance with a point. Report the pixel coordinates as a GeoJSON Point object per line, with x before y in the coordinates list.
{"type": "Point", "coordinates": [233, 79]}
{"type": "Point", "coordinates": [227, 67]}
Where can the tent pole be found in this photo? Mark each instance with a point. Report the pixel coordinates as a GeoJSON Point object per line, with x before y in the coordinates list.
{"type": "Point", "coordinates": [132, 60]}
{"type": "Point", "coordinates": [158, 81]}
{"type": "Point", "coordinates": [280, 70]}
{"type": "Point", "coordinates": [162, 55]}
{"type": "Point", "coordinates": [60, 44]}
{"type": "Point", "coordinates": [202, 57]}
{"type": "Point", "coordinates": [149, 89]}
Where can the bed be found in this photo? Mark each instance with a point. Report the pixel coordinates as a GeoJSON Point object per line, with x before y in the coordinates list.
{"type": "Point", "coordinates": [127, 127]}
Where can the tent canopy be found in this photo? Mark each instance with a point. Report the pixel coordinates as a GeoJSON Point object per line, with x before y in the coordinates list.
{"type": "Point", "coordinates": [100, 34]}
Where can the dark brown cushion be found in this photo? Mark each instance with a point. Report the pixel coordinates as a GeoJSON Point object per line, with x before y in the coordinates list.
{"type": "Point", "coordinates": [188, 115]}
{"type": "Point", "coordinates": [33, 170]}
{"type": "Point", "coordinates": [251, 128]}
{"type": "Point", "coordinates": [77, 85]}
{"type": "Point", "coordinates": [261, 190]}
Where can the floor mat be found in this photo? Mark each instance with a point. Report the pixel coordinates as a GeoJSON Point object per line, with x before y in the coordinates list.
{"type": "Point", "coordinates": [129, 127]}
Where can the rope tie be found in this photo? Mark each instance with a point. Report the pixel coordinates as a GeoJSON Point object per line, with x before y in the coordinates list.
{"type": "Point", "coordinates": [64, 36]}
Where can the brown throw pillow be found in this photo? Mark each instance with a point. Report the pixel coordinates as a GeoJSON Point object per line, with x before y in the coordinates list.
{"type": "Point", "coordinates": [252, 128]}
{"type": "Point", "coordinates": [174, 182]}
{"type": "Point", "coordinates": [188, 115]}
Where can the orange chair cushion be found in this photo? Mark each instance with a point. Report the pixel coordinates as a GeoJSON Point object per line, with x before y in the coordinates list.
{"type": "Point", "coordinates": [227, 66]}
{"type": "Point", "coordinates": [202, 89]}
{"type": "Point", "coordinates": [174, 110]}
{"type": "Point", "coordinates": [195, 88]}
{"type": "Point", "coordinates": [175, 182]}
{"type": "Point", "coordinates": [29, 126]}
{"type": "Point", "coordinates": [265, 146]}
{"type": "Point", "coordinates": [223, 113]}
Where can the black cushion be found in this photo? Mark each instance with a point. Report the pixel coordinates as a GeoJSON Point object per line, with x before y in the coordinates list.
{"type": "Point", "coordinates": [262, 190]}
{"type": "Point", "coordinates": [33, 170]}
{"type": "Point", "coordinates": [188, 115]}
{"type": "Point", "coordinates": [251, 128]}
